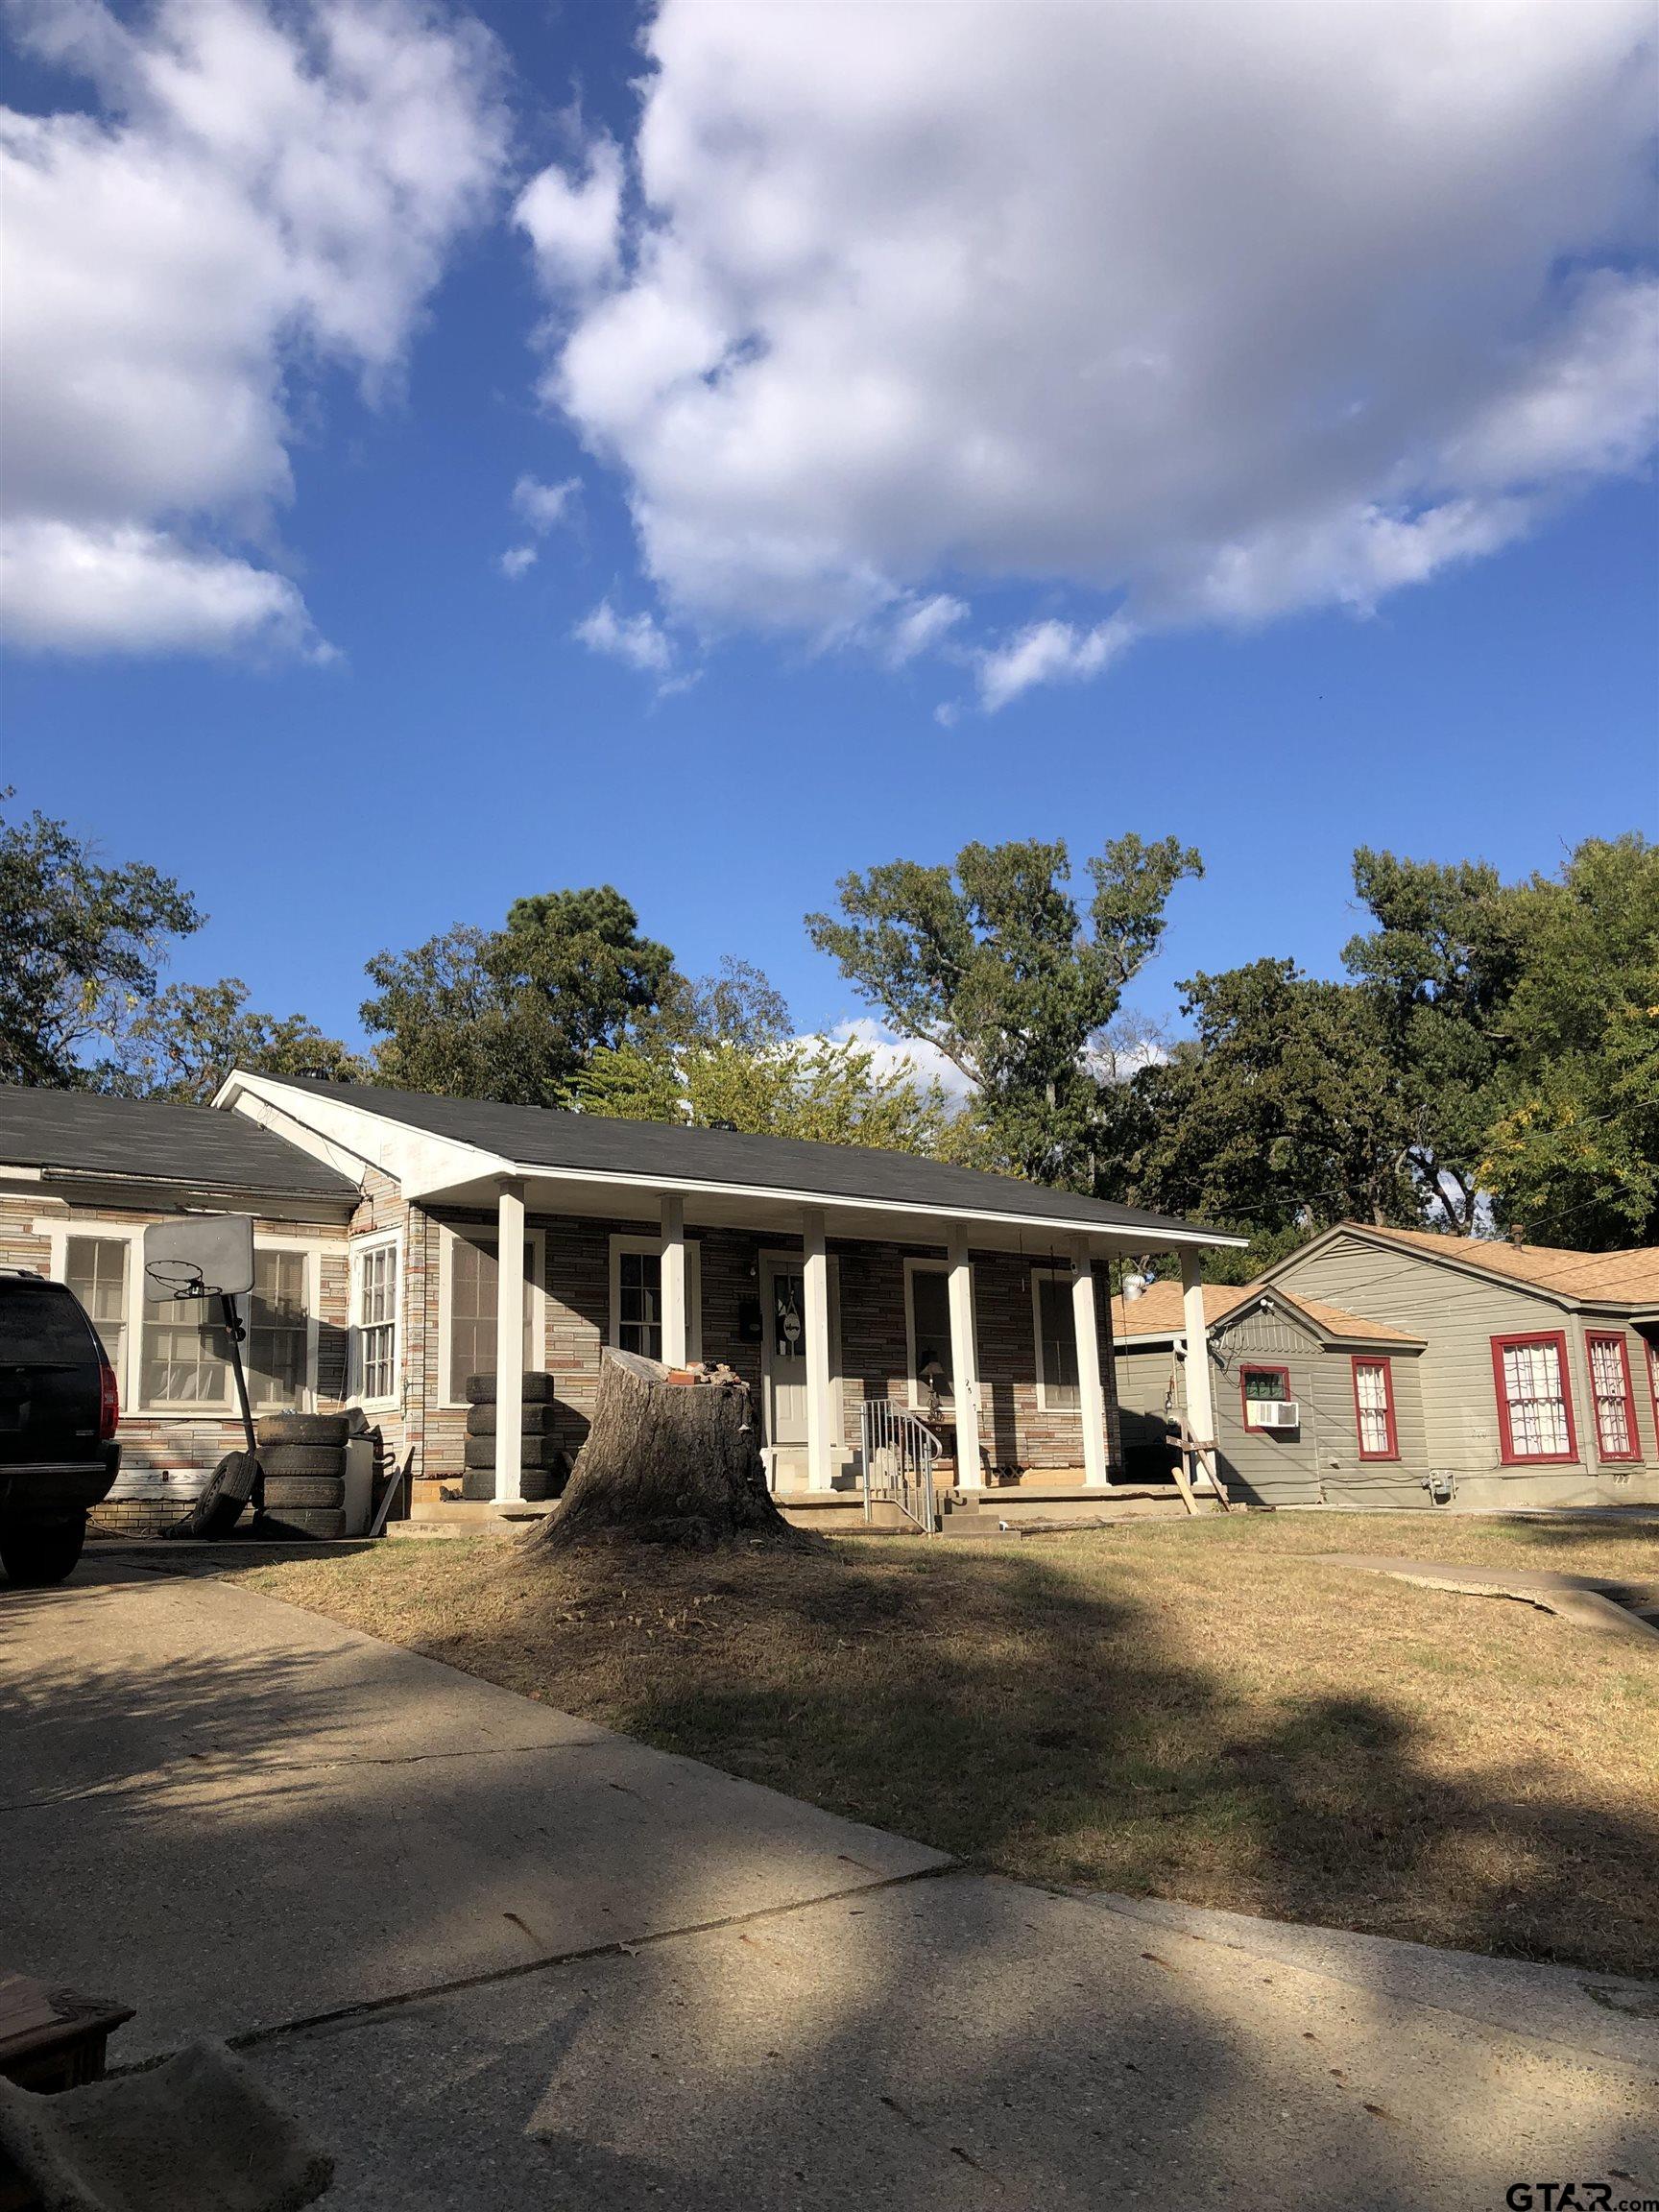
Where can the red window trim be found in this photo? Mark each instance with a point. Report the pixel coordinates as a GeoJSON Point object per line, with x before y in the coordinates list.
{"type": "Point", "coordinates": [1254, 1368]}
{"type": "Point", "coordinates": [1511, 1457]}
{"type": "Point", "coordinates": [1380, 1360]}
{"type": "Point", "coordinates": [1612, 1337]}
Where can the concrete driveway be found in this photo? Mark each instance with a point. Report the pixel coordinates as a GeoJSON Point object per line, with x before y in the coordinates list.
{"type": "Point", "coordinates": [500, 1957]}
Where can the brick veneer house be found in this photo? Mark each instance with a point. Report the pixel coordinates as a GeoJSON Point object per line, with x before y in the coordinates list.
{"type": "Point", "coordinates": [829, 1276]}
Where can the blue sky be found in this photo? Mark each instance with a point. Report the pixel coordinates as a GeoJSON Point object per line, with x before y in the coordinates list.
{"type": "Point", "coordinates": [460, 745]}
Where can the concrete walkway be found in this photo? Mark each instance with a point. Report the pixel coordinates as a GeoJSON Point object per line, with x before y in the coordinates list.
{"type": "Point", "coordinates": [247, 1819]}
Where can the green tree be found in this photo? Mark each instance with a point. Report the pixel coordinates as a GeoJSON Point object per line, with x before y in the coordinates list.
{"type": "Point", "coordinates": [80, 949]}
{"type": "Point", "coordinates": [1571, 1151]}
{"type": "Point", "coordinates": [1278, 1117]}
{"type": "Point", "coordinates": [994, 965]}
{"type": "Point", "coordinates": [516, 1013]}
{"type": "Point", "coordinates": [184, 1042]}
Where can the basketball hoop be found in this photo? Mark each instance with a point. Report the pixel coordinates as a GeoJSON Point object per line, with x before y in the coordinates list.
{"type": "Point", "coordinates": [207, 1256]}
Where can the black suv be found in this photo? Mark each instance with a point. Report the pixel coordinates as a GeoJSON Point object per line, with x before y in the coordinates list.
{"type": "Point", "coordinates": [59, 1407]}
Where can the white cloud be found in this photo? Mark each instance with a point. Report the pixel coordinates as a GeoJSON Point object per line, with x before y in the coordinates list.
{"type": "Point", "coordinates": [1295, 308]}
{"type": "Point", "coordinates": [543, 505]}
{"type": "Point", "coordinates": [1048, 653]}
{"type": "Point", "coordinates": [576, 227]}
{"type": "Point", "coordinates": [515, 562]}
{"type": "Point", "coordinates": [925, 1062]}
{"type": "Point", "coordinates": [922, 626]}
{"type": "Point", "coordinates": [638, 639]}
{"type": "Point", "coordinates": [254, 195]}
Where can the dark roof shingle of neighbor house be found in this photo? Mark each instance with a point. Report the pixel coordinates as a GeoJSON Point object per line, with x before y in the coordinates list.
{"type": "Point", "coordinates": [87, 1133]}
{"type": "Point", "coordinates": [1630, 1277]}
{"type": "Point", "coordinates": [1158, 1312]}
{"type": "Point", "coordinates": [534, 1137]}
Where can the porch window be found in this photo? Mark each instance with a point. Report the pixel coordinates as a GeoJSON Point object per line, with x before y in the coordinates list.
{"type": "Point", "coordinates": [636, 1296]}
{"type": "Point", "coordinates": [1056, 1328]}
{"type": "Point", "coordinates": [1534, 1408]}
{"type": "Point", "coordinates": [95, 1270]}
{"type": "Point", "coordinates": [374, 1321]}
{"type": "Point", "coordinates": [1374, 1409]}
{"type": "Point", "coordinates": [1259, 1383]}
{"type": "Point", "coordinates": [279, 1330]}
{"type": "Point", "coordinates": [470, 1339]}
{"type": "Point", "coordinates": [928, 1320]}
{"type": "Point", "coordinates": [1614, 1398]}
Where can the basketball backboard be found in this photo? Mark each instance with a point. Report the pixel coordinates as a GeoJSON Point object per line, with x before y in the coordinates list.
{"type": "Point", "coordinates": [199, 1256]}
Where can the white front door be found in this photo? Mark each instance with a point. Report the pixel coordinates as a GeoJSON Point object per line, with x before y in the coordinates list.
{"type": "Point", "coordinates": [783, 1360]}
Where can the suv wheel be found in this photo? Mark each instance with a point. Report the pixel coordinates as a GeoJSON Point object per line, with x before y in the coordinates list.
{"type": "Point", "coordinates": [35, 1553]}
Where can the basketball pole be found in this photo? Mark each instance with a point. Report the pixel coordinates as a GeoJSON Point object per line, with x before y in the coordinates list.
{"type": "Point", "coordinates": [235, 1330]}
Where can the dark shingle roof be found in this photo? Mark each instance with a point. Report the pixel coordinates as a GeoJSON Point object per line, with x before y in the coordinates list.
{"type": "Point", "coordinates": [88, 1134]}
{"type": "Point", "coordinates": [536, 1137]}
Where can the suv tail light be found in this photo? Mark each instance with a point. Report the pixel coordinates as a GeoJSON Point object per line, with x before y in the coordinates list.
{"type": "Point", "coordinates": [108, 1403]}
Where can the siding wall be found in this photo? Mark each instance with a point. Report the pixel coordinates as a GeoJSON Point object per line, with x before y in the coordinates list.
{"type": "Point", "coordinates": [1316, 1464]}
{"type": "Point", "coordinates": [874, 1357]}
{"type": "Point", "coordinates": [1460, 1314]}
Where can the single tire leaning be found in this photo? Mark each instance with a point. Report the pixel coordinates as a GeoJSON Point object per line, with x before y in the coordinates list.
{"type": "Point", "coordinates": [537, 1419]}
{"type": "Point", "coordinates": [538, 1390]}
{"type": "Point", "coordinates": [316, 1493]}
{"type": "Point", "coordinates": [535, 1484]}
{"type": "Point", "coordinates": [304, 1521]}
{"type": "Point", "coordinates": [533, 1451]}
{"type": "Point", "coordinates": [302, 1460]}
{"type": "Point", "coordinates": [219, 1508]}
{"type": "Point", "coordinates": [38, 1554]}
{"type": "Point", "coordinates": [303, 1428]}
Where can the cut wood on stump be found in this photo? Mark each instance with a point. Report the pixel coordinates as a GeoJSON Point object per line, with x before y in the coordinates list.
{"type": "Point", "coordinates": [667, 1463]}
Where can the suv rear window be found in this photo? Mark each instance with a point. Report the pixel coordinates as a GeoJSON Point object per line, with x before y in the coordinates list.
{"type": "Point", "coordinates": [40, 1321]}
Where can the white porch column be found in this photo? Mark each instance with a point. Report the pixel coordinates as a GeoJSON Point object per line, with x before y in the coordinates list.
{"type": "Point", "coordinates": [1091, 1398]}
{"type": "Point", "coordinates": [822, 1434]}
{"type": "Point", "coordinates": [1200, 1398]}
{"type": "Point", "coordinates": [510, 1342]}
{"type": "Point", "coordinates": [675, 1304]}
{"type": "Point", "coordinates": [964, 1363]}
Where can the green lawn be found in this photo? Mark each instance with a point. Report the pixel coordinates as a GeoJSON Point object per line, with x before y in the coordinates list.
{"type": "Point", "coordinates": [1195, 1709]}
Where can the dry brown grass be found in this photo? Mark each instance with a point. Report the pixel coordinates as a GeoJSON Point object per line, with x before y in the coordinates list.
{"type": "Point", "coordinates": [1197, 1711]}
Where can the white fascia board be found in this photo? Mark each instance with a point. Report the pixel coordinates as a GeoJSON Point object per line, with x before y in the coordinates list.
{"type": "Point", "coordinates": [349, 1137]}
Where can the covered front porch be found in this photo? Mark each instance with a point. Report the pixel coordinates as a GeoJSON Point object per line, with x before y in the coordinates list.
{"type": "Point", "coordinates": [975, 1348]}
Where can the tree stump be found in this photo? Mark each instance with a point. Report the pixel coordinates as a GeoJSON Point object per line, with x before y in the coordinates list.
{"type": "Point", "coordinates": [667, 1463]}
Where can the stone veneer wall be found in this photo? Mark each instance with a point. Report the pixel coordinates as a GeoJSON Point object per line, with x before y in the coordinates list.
{"type": "Point", "coordinates": [873, 1352]}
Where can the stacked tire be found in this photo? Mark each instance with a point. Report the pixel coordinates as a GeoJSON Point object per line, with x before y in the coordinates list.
{"type": "Point", "coordinates": [545, 1465]}
{"type": "Point", "coordinates": [304, 1456]}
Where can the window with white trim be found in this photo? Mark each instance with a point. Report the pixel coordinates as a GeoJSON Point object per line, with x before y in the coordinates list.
{"type": "Point", "coordinates": [1536, 1416]}
{"type": "Point", "coordinates": [470, 1286]}
{"type": "Point", "coordinates": [374, 1321]}
{"type": "Point", "coordinates": [927, 1328]}
{"type": "Point", "coordinates": [1611, 1394]}
{"type": "Point", "coordinates": [95, 1270]}
{"type": "Point", "coordinates": [279, 1329]}
{"type": "Point", "coordinates": [636, 1296]}
{"type": "Point", "coordinates": [1055, 1315]}
{"type": "Point", "coordinates": [184, 1354]}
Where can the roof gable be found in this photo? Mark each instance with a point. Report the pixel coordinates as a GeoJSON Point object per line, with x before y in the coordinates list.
{"type": "Point", "coordinates": [1158, 1313]}
{"type": "Point", "coordinates": [1628, 1277]}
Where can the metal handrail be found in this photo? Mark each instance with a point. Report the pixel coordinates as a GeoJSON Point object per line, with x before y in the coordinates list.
{"type": "Point", "coordinates": [898, 1453]}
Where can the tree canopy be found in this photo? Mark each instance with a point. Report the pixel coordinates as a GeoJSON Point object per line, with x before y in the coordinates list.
{"type": "Point", "coordinates": [994, 965]}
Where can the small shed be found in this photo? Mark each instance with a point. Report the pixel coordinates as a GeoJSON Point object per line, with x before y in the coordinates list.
{"type": "Point", "coordinates": [1314, 1406]}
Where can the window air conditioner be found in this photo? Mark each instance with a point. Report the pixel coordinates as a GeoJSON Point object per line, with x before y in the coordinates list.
{"type": "Point", "coordinates": [1272, 1413]}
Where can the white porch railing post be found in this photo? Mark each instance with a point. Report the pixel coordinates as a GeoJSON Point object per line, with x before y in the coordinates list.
{"type": "Point", "coordinates": [510, 1342]}
{"type": "Point", "coordinates": [1091, 1397]}
{"type": "Point", "coordinates": [964, 1363]}
{"type": "Point", "coordinates": [675, 1304]}
{"type": "Point", "coordinates": [1200, 1398]}
{"type": "Point", "coordinates": [820, 1425]}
